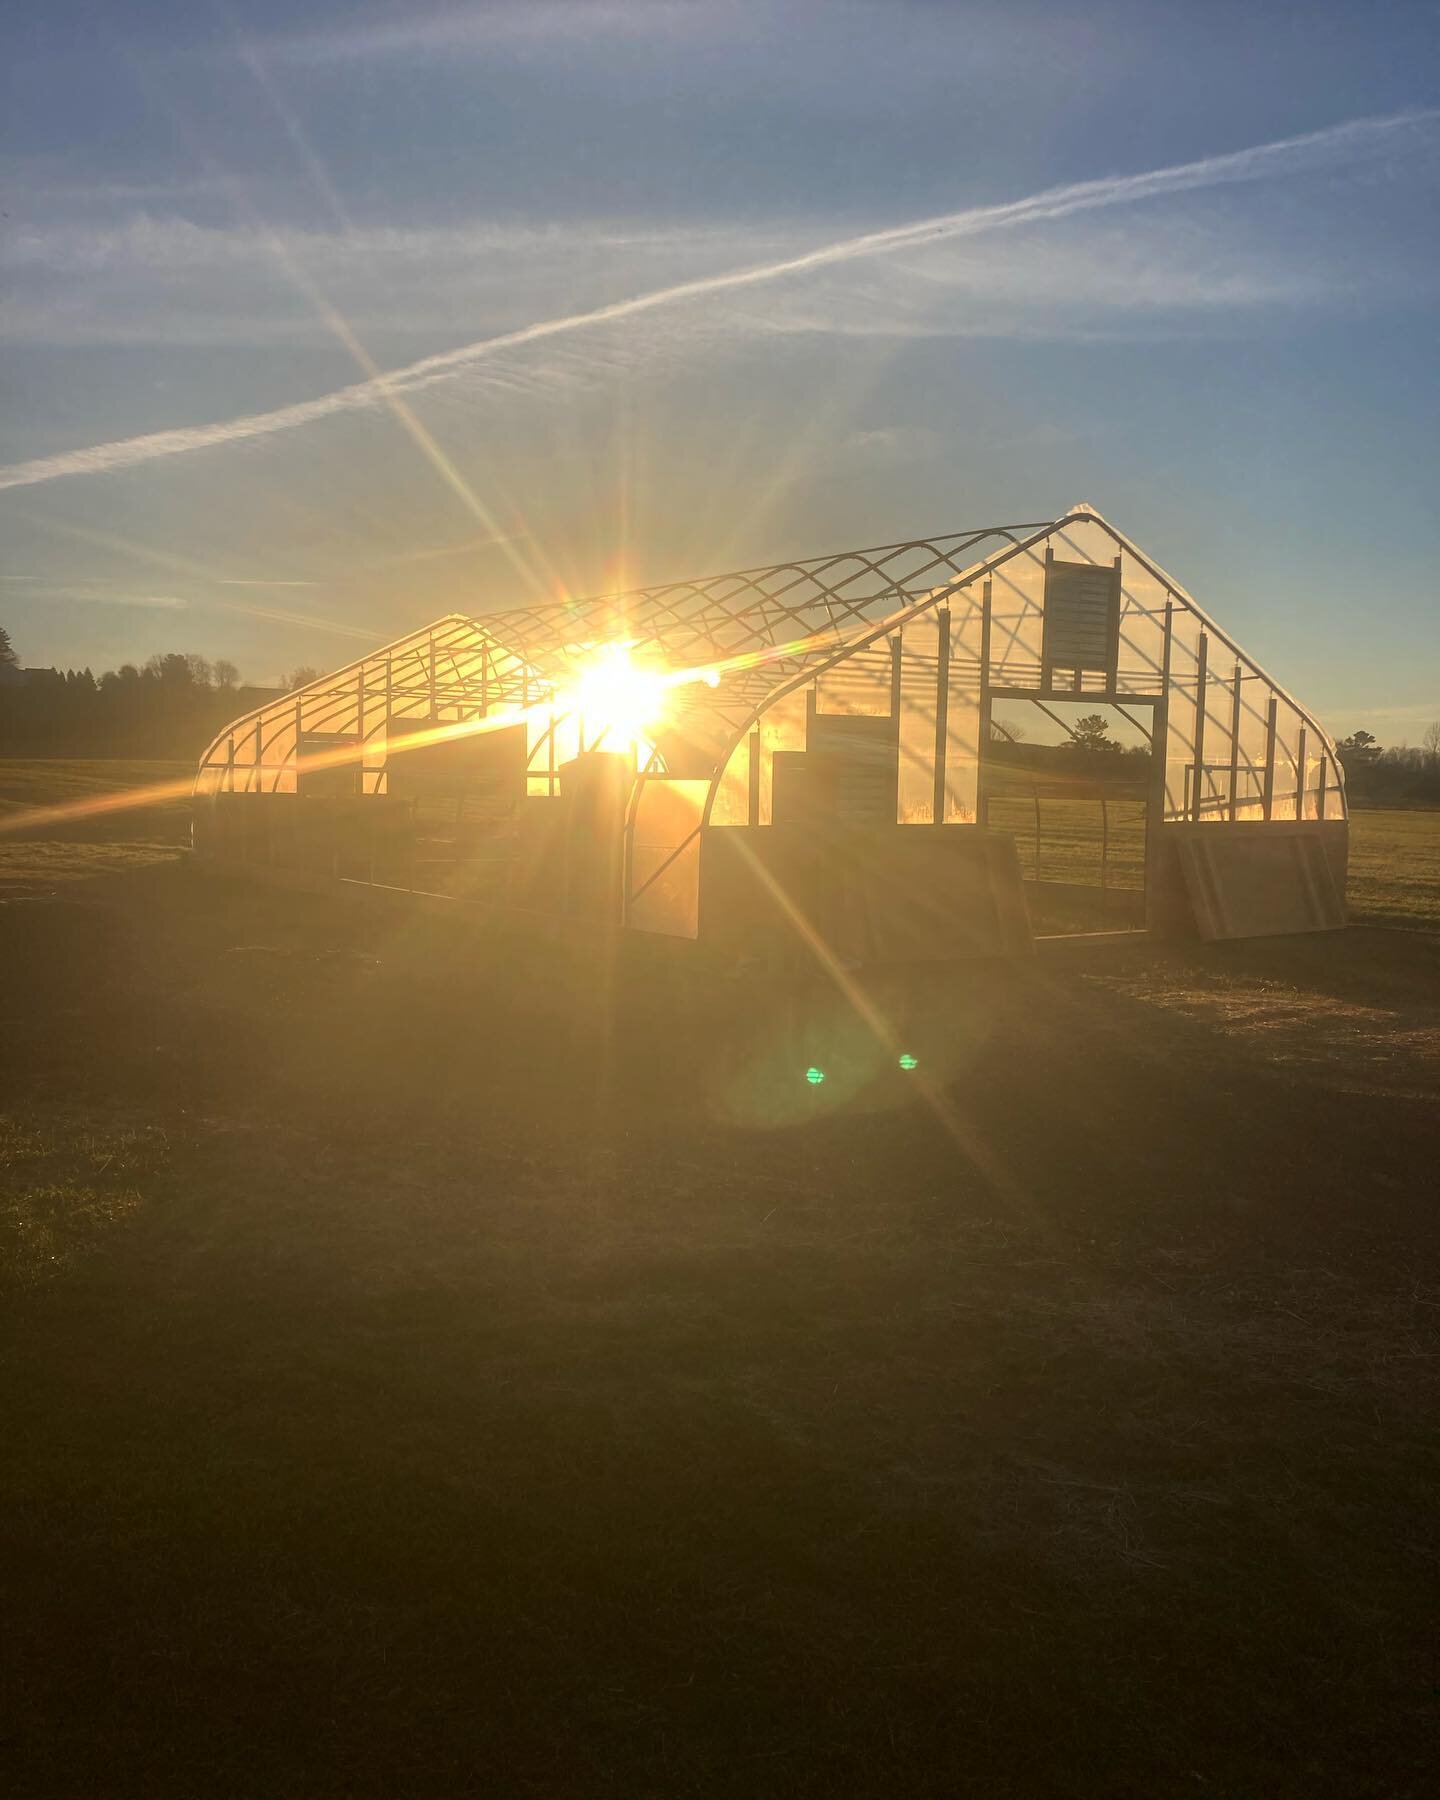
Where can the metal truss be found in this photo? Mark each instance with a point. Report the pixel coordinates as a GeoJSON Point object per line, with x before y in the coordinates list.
{"type": "Point", "coordinates": [758, 627]}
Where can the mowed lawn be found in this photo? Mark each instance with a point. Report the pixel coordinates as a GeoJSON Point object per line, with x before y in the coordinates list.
{"type": "Point", "coordinates": [1394, 853]}
{"type": "Point", "coordinates": [37, 856]}
{"type": "Point", "coordinates": [1395, 867]}
{"type": "Point", "coordinates": [435, 1362]}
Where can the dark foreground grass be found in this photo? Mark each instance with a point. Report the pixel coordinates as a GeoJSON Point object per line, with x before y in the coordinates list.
{"type": "Point", "coordinates": [436, 1363]}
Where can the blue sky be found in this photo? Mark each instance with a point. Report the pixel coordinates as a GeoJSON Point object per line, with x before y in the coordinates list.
{"type": "Point", "coordinates": [1183, 265]}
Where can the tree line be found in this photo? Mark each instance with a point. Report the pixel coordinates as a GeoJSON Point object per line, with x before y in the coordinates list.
{"type": "Point", "coordinates": [174, 704]}
{"type": "Point", "coordinates": [1400, 775]}
{"type": "Point", "coordinates": [168, 707]}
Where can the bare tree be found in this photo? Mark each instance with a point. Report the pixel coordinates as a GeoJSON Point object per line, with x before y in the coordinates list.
{"type": "Point", "coordinates": [226, 674]}
{"type": "Point", "coordinates": [299, 678]}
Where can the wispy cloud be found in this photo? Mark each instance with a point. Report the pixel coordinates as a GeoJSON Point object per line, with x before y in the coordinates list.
{"type": "Point", "coordinates": [87, 593]}
{"type": "Point", "coordinates": [174, 244]}
{"type": "Point", "coordinates": [256, 582]}
{"type": "Point", "coordinates": [173, 282]}
{"type": "Point", "coordinates": [479, 28]}
{"type": "Point", "coordinates": [436, 553]}
{"type": "Point", "coordinates": [98, 593]}
{"type": "Point", "coordinates": [1335, 145]}
{"type": "Point", "coordinates": [63, 192]}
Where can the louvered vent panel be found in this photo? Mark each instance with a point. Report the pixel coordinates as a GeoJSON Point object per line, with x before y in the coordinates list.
{"type": "Point", "coordinates": [1080, 615]}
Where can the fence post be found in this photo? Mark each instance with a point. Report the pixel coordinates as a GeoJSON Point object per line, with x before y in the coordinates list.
{"type": "Point", "coordinates": [1104, 850]}
{"type": "Point", "coordinates": [1035, 792]}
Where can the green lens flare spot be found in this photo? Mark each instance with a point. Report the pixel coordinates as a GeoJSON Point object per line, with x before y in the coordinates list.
{"type": "Point", "coordinates": [814, 1076]}
{"type": "Point", "coordinates": [907, 1061]}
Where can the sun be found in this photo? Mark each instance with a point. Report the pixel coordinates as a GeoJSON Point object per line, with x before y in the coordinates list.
{"type": "Point", "coordinates": [618, 700]}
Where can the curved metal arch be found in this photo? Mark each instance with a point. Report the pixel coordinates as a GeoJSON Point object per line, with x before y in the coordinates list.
{"type": "Point", "coordinates": [479, 672]}
{"type": "Point", "coordinates": [1173, 589]}
{"type": "Point", "coordinates": [742, 611]}
{"type": "Point", "coordinates": [778, 627]}
{"type": "Point", "coordinates": [865, 640]}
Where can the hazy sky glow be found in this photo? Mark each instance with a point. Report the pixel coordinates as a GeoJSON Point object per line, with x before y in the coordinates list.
{"type": "Point", "coordinates": [320, 321]}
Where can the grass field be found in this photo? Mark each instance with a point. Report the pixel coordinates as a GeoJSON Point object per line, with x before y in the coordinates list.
{"type": "Point", "coordinates": [1395, 867]}
{"type": "Point", "coordinates": [1394, 854]}
{"type": "Point", "coordinates": [435, 1364]}
{"type": "Point", "coordinates": [54, 853]}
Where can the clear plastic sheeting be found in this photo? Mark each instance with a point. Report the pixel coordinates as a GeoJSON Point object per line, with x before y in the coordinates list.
{"type": "Point", "coordinates": [859, 686]}
{"type": "Point", "coordinates": [781, 730]}
{"type": "Point", "coordinates": [450, 683]}
{"type": "Point", "coordinates": [965, 710]}
{"type": "Point", "coordinates": [730, 799]}
{"type": "Point", "coordinates": [1230, 740]}
{"type": "Point", "coordinates": [924, 644]}
{"type": "Point", "coordinates": [453, 674]}
{"type": "Point", "coordinates": [663, 878]}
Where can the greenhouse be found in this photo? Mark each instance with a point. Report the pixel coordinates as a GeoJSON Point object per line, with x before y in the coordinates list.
{"type": "Point", "coordinates": [816, 748]}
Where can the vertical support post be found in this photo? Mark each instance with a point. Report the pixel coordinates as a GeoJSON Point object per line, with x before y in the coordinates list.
{"type": "Point", "coordinates": [1320, 793]}
{"type": "Point", "coordinates": [1112, 652]}
{"type": "Point", "coordinates": [389, 713]}
{"type": "Point", "coordinates": [752, 803]}
{"type": "Point", "coordinates": [1197, 786]}
{"type": "Point", "coordinates": [1045, 670]}
{"type": "Point", "coordinates": [1235, 746]}
{"type": "Point", "coordinates": [627, 841]}
{"type": "Point", "coordinates": [1157, 801]}
{"type": "Point", "coordinates": [433, 707]}
{"type": "Point", "coordinates": [1271, 715]}
{"type": "Point", "coordinates": [982, 798]}
{"type": "Point", "coordinates": [1300, 776]}
{"type": "Point", "coordinates": [1035, 795]}
{"type": "Point", "coordinates": [895, 656]}
{"type": "Point", "coordinates": [1160, 730]}
{"type": "Point", "coordinates": [942, 708]}
{"type": "Point", "coordinates": [360, 727]}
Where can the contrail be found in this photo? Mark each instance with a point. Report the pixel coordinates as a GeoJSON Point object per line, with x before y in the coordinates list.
{"type": "Point", "coordinates": [1353, 139]}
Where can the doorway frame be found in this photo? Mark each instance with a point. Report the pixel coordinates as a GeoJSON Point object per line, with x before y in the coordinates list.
{"type": "Point", "coordinates": [1158, 735]}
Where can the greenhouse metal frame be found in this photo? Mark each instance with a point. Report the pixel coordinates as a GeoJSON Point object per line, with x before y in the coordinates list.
{"type": "Point", "coordinates": [875, 669]}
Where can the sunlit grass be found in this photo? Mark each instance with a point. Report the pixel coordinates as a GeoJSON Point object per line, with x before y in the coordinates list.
{"type": "Point", "coordinates": [64, 853]}
{"type": "Point", "coordinates": [1395, 867]}
{"type": "Point", "coordinates": [1394, 853]}
{"type": "Point", "coordinates": [54, 781]}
